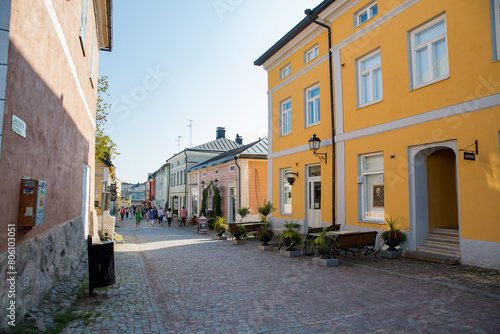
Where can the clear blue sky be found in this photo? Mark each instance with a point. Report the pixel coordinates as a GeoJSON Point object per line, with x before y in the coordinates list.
{"type": "Point", "coordinates": [175, 61]}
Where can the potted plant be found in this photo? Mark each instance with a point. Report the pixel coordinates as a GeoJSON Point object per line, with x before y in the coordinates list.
{"type": "Point", "coordinates": [324, 244]}
{"type": "Point", "coordinates": [392, 235]}
{"type": "Point", "coordinates": [265, 232]}
{"type": "Point", "coordinates": [290, 237]}
{"type": "Point", "coordinates": [220, 226]}
{"type": "Point", "coordinates": [237, 231]}
{"type": "Point", "coordinates": [243, 212]}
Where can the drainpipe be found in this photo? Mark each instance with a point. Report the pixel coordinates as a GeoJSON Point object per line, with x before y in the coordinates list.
{"type": "Point", "coordinates": [312, 17]}
{"type": "Point", "coordinates": [239, 182]}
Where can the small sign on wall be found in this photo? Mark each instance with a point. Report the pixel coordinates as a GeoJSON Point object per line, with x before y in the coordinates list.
{"type": "Point", "coordinates": [18, 126]}
{"type": "Point", "coordinates": [469, 156]}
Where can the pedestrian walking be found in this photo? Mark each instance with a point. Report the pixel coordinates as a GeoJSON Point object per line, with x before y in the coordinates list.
{"type": "Point", "coordinates": [122, 212]}
{"type": "Point", "coordinates": [184, 214]}
{"type": "Point", "coordinates": [160, 216]}
{"type": "Point", "coordinates": [169, 216]}
{"type": "Point", "coordinates": [151, 214]}
{"type": "Point", "coordinates": [143, 211]}
{"type": "Point", "coordinates": [137, 217]}
{"type": "Point", "coordinates": [126, 213]}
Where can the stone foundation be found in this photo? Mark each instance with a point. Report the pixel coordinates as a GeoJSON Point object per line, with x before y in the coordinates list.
{"type": "Point", "coordinates": [40, 264]}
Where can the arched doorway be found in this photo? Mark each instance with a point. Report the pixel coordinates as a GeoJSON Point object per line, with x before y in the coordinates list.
{"type": "Point", "coordinates": [433, 189]}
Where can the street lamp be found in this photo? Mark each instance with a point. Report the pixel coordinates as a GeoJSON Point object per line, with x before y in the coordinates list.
{"type": "Point", "coordinates": [216, 183]}
{"type": "Point", "coordinates": [202, 184]}
{"type": "Point", "coordinates": [314, 144]}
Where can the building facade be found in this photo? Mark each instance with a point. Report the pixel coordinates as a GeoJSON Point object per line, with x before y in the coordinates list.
{"type": "Point", "coordinates": [189, 157]}
{"type": "Point", "coordinates": [49, 52]}
{"type": "Point", "coordinates": [416, 114]}
{"type": "Point", "coordinates": [241, 177]}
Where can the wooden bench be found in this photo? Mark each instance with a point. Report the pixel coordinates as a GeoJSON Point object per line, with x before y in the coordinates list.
{"type": "Point", "coordinates": [349, 241]}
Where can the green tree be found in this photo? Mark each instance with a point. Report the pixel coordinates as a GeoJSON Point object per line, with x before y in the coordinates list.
{"type": "Point", "coordinates": [105, 147]}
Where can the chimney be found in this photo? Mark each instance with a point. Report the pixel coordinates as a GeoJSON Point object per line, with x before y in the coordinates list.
{"type": "Point", "coordinates": [221, 132]}
{"type": "Point", "coordinates": [239, 139]}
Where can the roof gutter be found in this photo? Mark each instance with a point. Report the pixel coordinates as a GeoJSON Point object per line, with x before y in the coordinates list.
{"type": "Point", "coordinates": [301, 26]}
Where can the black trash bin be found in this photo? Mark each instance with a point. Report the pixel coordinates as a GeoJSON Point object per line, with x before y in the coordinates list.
{"type": "Point", "coordinates": [101, 264]}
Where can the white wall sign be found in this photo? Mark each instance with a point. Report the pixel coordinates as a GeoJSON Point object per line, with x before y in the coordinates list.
{"type": "Point", "coordinates": [18, 126]}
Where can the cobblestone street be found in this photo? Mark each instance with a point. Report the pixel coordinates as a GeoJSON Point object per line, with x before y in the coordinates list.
{"type": "Point", "coordinates": [172, 280]}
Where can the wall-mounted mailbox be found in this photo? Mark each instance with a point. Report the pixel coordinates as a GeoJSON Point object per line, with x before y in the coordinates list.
{"type": "Point", "coordinates": [32, 203]}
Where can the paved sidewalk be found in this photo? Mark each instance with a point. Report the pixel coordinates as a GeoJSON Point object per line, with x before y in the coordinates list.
{"type": "Point", "coordinates": [172, 280]}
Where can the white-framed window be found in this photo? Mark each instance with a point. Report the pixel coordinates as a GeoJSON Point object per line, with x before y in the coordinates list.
{"type": "Point", "coordinates": [365, 14]}
{"type": "Point", "coordinates": [312, 105]}
{"type": "Point", "coordinates": [193, 177]}
{"type": "Point", "coordinates": [495, 25]}
{"type": "Point", "coordinates": [216, 172]}
{"type": "Point", "coordinates": [369, 79]}
{"type": "Point", "coordinates": [311, 53]}
{"type": "Point", "coordinates": [371, 187]}
{"type": "Point", "coordinates": [286, 117]}
{"type": "Point", "coordinates": [285, 71]}
{"type": "Point", "coordinates": [286, 192]}
{"type": "Point", "coordinates": [429, 53]}
{"type": "Point", "coordinates": [231, 168]}
{"type": "Point", "coordinates": [83, 23]}
{"type": "Point", "coordinates": [204, 174]}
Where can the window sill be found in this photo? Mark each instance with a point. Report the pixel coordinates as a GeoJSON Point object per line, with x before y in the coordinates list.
{"type": "Point", "coordinates": [370, 104]}
{"type": "Point", "coordinates": [428, 83]}
{"type": "Point", "coordinates": [379, 222]}
{"type": "Point", "coordinates": [312, 124]}
{"type": "Point", "coordinates": [285, 214]}
{"type": "Point", "coordinates": [285, 134]}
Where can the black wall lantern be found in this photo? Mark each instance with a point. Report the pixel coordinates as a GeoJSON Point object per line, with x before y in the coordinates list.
{"type": "Point", "coordinates": [291, 179]}
{"type": "Point", "coordinates": [202, 184]}
{"type": "Point", "coordinates": [314, 144]}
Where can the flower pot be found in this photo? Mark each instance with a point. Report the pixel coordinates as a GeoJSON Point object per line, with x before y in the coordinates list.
{"type": "Point", "coordinates": [265, 237]}
{"type": "Point", "coordinates": [237, 234]}
{"type": "Point", "coordinates": [220, 232]}
{"type": "Point", "coordinates": [392, 243]}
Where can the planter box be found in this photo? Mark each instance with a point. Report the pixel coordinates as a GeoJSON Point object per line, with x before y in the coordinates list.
{"type": "Point", "coordinates": [238, 242]}
{"type": "Point", "coordinates": [325, 262]}
{"type": "Point", "coordinates": [290, 253]}
{"type": "Point", "coordinates": [220, 237]}
{"type": "Point", "coordinates": [266, 248]}
{"type": "Point", "coordinates": [391, 255]}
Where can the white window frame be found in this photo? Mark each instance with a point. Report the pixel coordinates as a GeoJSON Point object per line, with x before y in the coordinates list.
{"type": "Point", "coordinates": [216, 172]}
{"type": "Point", "coordinates": [495, 28]}
{"type": "Point", "coordinates": [364, 194]}
{"type": "Point", "coordinates": [83, 24]}
{"type": "Point", "coordinates": [311, 53]}
{"type": "Point", "coordinates": [204, 174]}
{"type": "Point", "coordinates": [284, 184]}
{"type": "Point", "coordinates": [232, 168]}
{"type": "Point", "coordinates": [285, 71]}
{"type": "Point", "coordinates": [429, 45]}
{"type": "Point", "coordinates": [368, 9]}
{"type": "Point", "coordinates": [317, 112]}
{"type": "Point", "coordinates": [286, 117]}
{"type": "Point", "coordinates": [368, 72]}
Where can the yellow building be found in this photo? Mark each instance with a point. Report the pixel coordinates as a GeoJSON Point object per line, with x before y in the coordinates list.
{"type": "Point", "coordinates": [416, 88]}
{"type": "Point", "coordinates": [104, 176]}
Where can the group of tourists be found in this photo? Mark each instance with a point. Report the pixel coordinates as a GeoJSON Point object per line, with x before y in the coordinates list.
{"type": "Point", "coordinates": [151, 214]}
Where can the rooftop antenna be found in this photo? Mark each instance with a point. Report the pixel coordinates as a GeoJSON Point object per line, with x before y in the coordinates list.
{"type": "Point", "coordinates": [178, 140]}
{"type": "Point", "coordinates": [190, 128]}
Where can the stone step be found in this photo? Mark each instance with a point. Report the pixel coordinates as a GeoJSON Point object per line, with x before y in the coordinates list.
{"type": "Point", "coordinates": [442, 244]}
{"type": "Point", "coordinates": [423, 256]}
{"type": "Point", "coordinates": [438, 251]}
{"type": "Point", "coordinates": [443, 238]}
{"type": "Point", "coordinates": [445, 231]}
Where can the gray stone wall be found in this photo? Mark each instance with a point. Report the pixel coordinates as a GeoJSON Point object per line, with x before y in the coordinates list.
{"type": "Point", "coordinates": [41, 263]}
